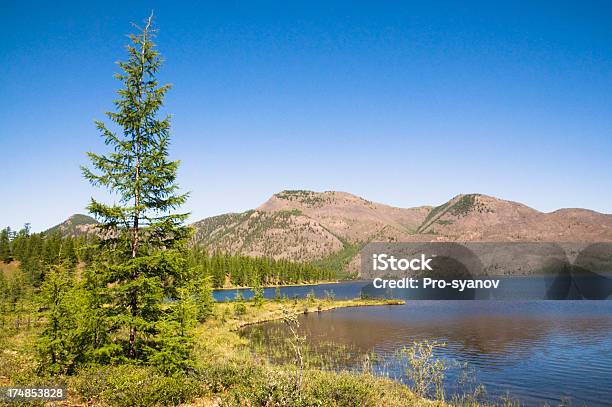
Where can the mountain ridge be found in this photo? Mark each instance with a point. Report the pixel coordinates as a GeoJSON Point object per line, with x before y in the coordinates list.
{"type": "Point", "coordinates": [305, 225]}
{"type": "Point", "coordinates": [76, 224]}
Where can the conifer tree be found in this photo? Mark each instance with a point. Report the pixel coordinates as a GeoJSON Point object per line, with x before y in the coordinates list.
{"type": "Point", "coordinates": [143, 238]}
{"type": "Point", "coordinates": [19, 244]}
{"type": "Point", "coordinates": [56, 345]}
{"type": "Point", "coordinates": [258, 295]}
{"type": "Point", "coordinates": [5, 245]}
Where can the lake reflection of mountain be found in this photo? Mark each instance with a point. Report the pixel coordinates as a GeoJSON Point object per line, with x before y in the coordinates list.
{"type": "Point", "coordinates": [539, 351]}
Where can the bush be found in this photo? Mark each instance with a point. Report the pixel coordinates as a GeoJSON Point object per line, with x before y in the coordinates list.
{"type": "Point", "coordinates": [134, 386]}
{"type": "Point", "coordinates": [342, 389]}
{"type": "Point", "coordinates": [249, 384]}
{"type": "Point", "coordinates": [424, 371]}
{"type": "Point", "coordinates": [239, 309]}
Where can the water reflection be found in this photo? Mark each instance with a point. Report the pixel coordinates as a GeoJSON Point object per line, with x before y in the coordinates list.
{"type": "Point", "coordinates": [538, 350]}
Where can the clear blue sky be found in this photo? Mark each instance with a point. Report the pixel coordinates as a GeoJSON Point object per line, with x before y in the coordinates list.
{"type": "Point", "coordinates": [398, 103]}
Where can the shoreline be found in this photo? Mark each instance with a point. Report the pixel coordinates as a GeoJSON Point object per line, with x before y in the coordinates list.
{"type": "Point", "coordinates": [336, 304]}
{"type": "Point", "coordinates": [272, 310]}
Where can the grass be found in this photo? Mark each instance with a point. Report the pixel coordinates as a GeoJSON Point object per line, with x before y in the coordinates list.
{"type": "Point", "coordinates": [9, 269]}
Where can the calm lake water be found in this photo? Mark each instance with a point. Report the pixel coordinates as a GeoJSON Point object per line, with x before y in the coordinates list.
{"type": "Point", "coordinates": [344, 290]}
{"type": "Point", "coordinates": [536, 351]}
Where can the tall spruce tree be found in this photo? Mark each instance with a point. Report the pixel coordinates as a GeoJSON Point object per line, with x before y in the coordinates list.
{"type": "Point", "coordinates": [142, 263]}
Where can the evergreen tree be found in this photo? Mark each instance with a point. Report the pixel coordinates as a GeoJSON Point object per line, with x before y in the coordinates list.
{"type": "Point", "coordinates": [19, 245]}
{"type": "Point", "coordinates": [5, 245]}
{"type": "Point", "coordinates": [200, 291]}
{"type": "Point", "coordinates": [68, 252]}
{"type": "Point", "coordinates": [143, 263]}
{"type": "Point", "coordinates": [56, 345]}
{"type": "Point", "coordinates": [52, 249]}
{"type": "Point", "coordinates": [172, 353]}
{"type": "Point", "coordinates": [31, 255]}
{"type": "Point", "coordinates": [258, 295]}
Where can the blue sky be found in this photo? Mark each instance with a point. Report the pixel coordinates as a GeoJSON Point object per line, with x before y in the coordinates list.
{"type": "Point", "coordinates": [406, 104]}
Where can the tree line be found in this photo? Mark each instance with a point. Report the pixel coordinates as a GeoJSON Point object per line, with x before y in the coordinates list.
{"type": "Point", "coordinates": [244, 271]}
{"type": "Point", "coordinates": [37, 253]}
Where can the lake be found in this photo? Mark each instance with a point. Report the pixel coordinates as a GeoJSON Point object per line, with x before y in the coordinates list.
{"type": "Point", "coordinates": [343, 290]}
{"type": "Point", "coordinates": [535, 351]}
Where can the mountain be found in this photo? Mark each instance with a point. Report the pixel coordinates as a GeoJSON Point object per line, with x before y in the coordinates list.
{"type": "Point", "coordinates": [476, 217]}
{"type": "Point", "coordinates": [331, 226]}
{"type": "Point", "coordinates": [306, 225]}
{"type": "Point", "coordinates": [73, 226]}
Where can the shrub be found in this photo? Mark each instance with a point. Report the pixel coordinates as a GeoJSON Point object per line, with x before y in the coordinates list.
{"type": "Point", "coordinates": [128, 385]}
{"type": "Point", "coordinates": [342, 389]}
{"type": "Point", "coordinates": [239, 309]}
{"type": "Point", "coordinates": [249, 384]}
{"type": "Point", "coordinates": [424, 371]}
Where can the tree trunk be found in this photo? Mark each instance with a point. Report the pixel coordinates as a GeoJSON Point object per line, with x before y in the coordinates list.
{"type": "Point", "coordinates": [136, 230]}
{"type": "Point", "coordinates": [135, 241]}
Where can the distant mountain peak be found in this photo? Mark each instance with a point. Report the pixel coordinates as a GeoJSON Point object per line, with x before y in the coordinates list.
{"type": "Point", "coordinates": [82, 219]}
{"type": "Point", "coordinates": [77, 224]}
{"type": "Point", "coordinates": [304, 199]}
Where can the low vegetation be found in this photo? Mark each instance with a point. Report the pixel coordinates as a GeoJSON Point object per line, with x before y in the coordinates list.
{"type": "Point", "coordinates": [223, 370]}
